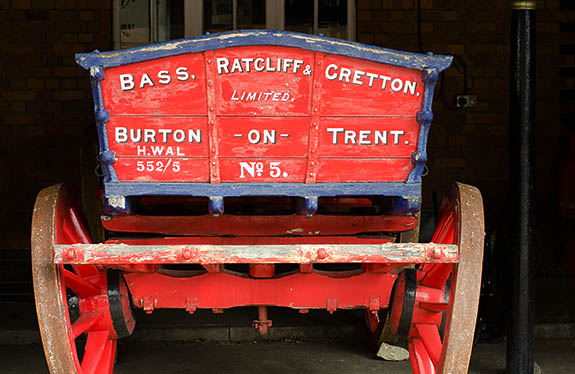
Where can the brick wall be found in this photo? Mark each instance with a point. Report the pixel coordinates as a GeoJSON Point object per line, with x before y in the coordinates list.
{"type": "Point", "coordinates": [471, 145]}
{"type": "Point", "coordinates": [45, 100]}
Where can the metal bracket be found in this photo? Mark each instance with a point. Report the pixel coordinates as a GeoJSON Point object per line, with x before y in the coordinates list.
{"type": "Point", "coordinates": [331, 305]}
{"type": "Point", "coordinates": [216, 206]}
{"type": "Point", "coordinates": [191, 304]}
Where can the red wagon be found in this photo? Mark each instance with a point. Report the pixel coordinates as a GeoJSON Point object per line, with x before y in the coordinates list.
{"type": "Point", "coordinates": [259, 168]}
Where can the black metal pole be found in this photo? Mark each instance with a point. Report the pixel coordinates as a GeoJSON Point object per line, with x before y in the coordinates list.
{"type": "Point", "coordinates": [522, 186]}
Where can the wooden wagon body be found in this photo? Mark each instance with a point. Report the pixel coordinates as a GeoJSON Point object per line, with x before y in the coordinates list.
{"type": "Point", "coordinates": [262, 168]}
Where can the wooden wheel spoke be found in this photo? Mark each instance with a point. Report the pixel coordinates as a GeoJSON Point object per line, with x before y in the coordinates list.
{"type": "Point", "coordinates": [106, 363]}
{"type": "Point", "coordinates": [445, 232]}
{"type": "Point", "coordinates": [81, 287]}
{"type": "Point", "coordinates": [419, 357]}
{"type": "Point", "coordinates": [86, 271]}
{"type": "Point", "coordinates": [434, 307]}
{"type": "Point", "coordinates": [437, 275]}
{"type": "Point", "coordinates": [84, 322]}
{"type": "Point", "coordinates": [429, 335]}
{"type": "Point", "coordinates": [95, 350]}
{"type": "Point", "coordinates": [79, 229]}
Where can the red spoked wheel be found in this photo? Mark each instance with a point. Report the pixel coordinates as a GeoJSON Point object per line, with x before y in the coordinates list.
{"type": "Point", "coordinates": [82, 309]}
{"type": "Point", "coordinates": [435, 306]}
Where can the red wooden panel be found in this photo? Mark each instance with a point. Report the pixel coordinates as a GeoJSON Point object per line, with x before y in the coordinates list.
{"type": "Point", "coordinates": [278, 170]}
{"type": "Point", "coordinates": [353, 87]}
{"type": "Point", "coordinates": [170, 85]}
{"type": "Point", "coordinates": [227, 224]}
{"type": "Point", "coordinates": [363, 170]}
{"type": "Point", "coordinates": [266, 81]}
{"type": "Point", "coordinates": [368, 137]}
{"type": "Point", "coordinates": [263, 136]}
{"type": "Point", "coordinates": [158, 136]}
{"type": "Point", "coordinates": [162, 169]}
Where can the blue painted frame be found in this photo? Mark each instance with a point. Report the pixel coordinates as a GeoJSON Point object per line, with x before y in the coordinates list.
{"type": "Point", "coordinates": [410, 191]}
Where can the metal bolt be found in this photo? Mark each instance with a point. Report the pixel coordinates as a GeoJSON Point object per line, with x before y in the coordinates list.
{"type": "Point", "coordinates": [321, 254]}
{"type": "Point", "coordinates": [71, 253]}
{"type": "Point", "coordinates": [436, 253]}
{"type": "Point", "coordinates": [210, 83]}
{"type": "Point", "coordinates": [186, 254]}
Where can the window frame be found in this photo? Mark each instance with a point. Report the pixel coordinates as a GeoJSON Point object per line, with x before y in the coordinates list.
{"type": "Point", "coordinates": [194, 18]}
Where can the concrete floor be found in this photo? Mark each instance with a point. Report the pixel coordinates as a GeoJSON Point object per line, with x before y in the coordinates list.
{"type": "Point", "coordinates": [553, 356]}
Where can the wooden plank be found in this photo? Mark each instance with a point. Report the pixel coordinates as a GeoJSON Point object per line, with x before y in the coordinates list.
{"type": "Point", "coordinates": [255, 254]}
{"type": "Point", "coordinates": [166, 86]}
{"type": "Point", "coordinates": [258, 225]}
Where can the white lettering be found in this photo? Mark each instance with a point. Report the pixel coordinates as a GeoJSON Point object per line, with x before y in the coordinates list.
{"type": "Point", "coordinates": [381, 137]}
{"type": "Point", "coordinates": [385, 80]}
{"type": "Point", "coordinates": [296, 65]}
{"type": "Point", "coordinates": [396, 135]}
{"type": "Point", "coordinates": [410, 87]}
{"type": "Point", "coordinates": [269, 136]}
{"type": "Point", "coordinates": [164, 133]}
{"type": "Point", "coordinates": [222, 65]}
{"type": "Point", "coordinates": [329, 75]}
{"type": "Point", "coordinates": [179, 136]}
{"type": "Point", "coordinates": [259, 64]}
{"type": "Point", "coordinates": [254, 137]}
{"type": "Point", "coordinates": [182, 74]}
{"type": "Point", "coordinates": [357, 77]}
{"type": "Point", "coordinates": [157, 150]}
{"type": "Point", "coordinates": [371, 78]}
{"type": "Point", "coordinates": [127, 82]}
{"type": "Point", "coordinates": [335, 131]}
{"type": "Point", "coordinates": [121, 135]}
{"type": "Point", "coordinates": [396, 84]}
{"type": "Point", "coordinates": [164, 77]}
{"type": "Point", "coordinates": [247, 61]}
{"type": "Point", "coordinates": [363, 137]}
{"type": "Point", "coordinates": [194, 136]}
{"type": "Point", "coordinates": [236, 66]}
{"type": "Point", "coordinates": [149, 136]}
{"type": "Point", "coordinates": [249, 167]}
{"type": "Point", "coordinates": [136, 135]}
{"type": "Point", "coordinates": [146, 80]}
{"type": "Point", "coordinates": [350, 137]}
{"type": "Point", "coordinates": [344, 73]}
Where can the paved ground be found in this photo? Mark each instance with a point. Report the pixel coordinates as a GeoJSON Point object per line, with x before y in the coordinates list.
{"type": "Point", "coordinates": [553, 356]}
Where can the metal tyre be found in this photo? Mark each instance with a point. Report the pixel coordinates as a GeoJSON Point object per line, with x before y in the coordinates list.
{"type": "Point", "coordinates": [82, 309]}
{"type": "Point", "coordinates": [435, 306]}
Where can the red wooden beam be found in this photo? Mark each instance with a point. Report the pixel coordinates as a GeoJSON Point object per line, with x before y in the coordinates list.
{"type": "Point", "coordinates": [222, 290]}
{"type": "Point", "coordinates": [258, 225]}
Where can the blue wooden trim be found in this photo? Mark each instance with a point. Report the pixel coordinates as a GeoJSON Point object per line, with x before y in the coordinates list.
{"type": "Point", "coordinates": [404, 190]}
{"type": "Point", "coordinates": [102, 116]}
{"type": "Point", "coordinates": [424, 118]}
{"type": "Point", "coordinates": [216, 206]}
{"type": "Point", "coordinates": [264, 37]}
